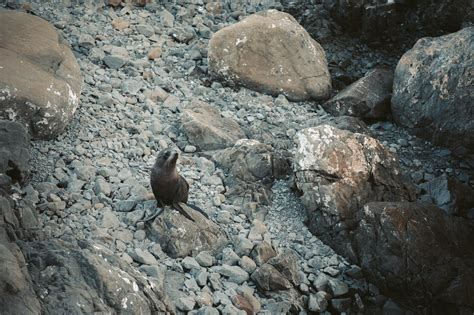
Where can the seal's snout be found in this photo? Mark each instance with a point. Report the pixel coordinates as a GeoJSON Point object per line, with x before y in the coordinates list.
{"type": "Point", "coordinates": [173, 156]}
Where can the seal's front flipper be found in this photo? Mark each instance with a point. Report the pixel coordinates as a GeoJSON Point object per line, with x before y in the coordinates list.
{"type": "Point", "coordinates": [198, 210]}
{"type": "Point", "coordinates": [153, 216]}
{"type": "Point", "coordinates": [178, 207]}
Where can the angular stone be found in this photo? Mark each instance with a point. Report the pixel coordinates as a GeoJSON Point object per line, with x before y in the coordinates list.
{"type": "Point", "coordinates": [190, 263]}
{"type": "Point", "coordinates": [206, 129]}
{"type": "Point", "coordinates": [234, 273]}
{"type": "Point", "coordinates": [143, 256]}
{"type": "Point", "coordinates": [205, 259]}
{"type": "Point", "coordinates": [181, 238]}
{"type": "Point", "coordinates": [287, 264]}
{"type": "Point", "coordinates": [337, 287]}
{"type": "Point", "coordinates": [368, 97]}
{"type": "Point", "coordinates": [262, 252]}
{"type": "Point", "coordinates": [268, 278]}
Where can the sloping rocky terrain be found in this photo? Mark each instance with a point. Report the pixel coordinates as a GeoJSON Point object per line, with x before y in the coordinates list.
{"type": "Point", "coordinates": [335, 163]}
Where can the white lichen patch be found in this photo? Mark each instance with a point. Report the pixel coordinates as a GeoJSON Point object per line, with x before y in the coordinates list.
{"type": "Point", "coordinates": [124, 303]}
{"type": "Point", "coordinates": [241, 41]}
{"type": "Point", "coordinates": [135, 286]}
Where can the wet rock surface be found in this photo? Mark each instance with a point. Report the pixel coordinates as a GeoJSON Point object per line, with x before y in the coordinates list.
{"type": "Point", "coordinates": [145, 67]}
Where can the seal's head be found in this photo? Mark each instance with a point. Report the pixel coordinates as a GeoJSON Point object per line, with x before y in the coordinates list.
{"type": "Point", "coordinates": [167, 159]}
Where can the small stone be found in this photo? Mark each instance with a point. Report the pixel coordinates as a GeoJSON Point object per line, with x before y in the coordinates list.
{"type": "Point", "coordinates": [143, 256]}
{"type": "Point", "coordinates": [101, 186]}
{"type": "Point", "coordinates": [145, 30]}
{"type": "Point", "coordinates": [337, 287]}
{"type": "Point", "coordinates": [331, 271]}
{"type": "Point", "coordinates": [190, 263]}
{"type": "Point", "coordinates": [139, 235]}
{"type": "Point", "coordinates": [262, 252]}
{"type": "Point", "coordinates": [203, 299]}
{"type": "Point", "coordinates": [229, 257]}
{"type": "Point", "coordinates": [172, 103]}
{"type": "Point", "coordinates": [166, 18]}
{"type": "Point", "coordinates": [257, 230]}
{"type": "Point", "coordinates": [109, 220]}
{"type": "Point", "coordinates": [125, 205]}
{"type": "Point", "coordinates": [120, 24]}
{"type": "Point", "coordinates": [317, 302]}
{"type": "Point", "coordinates": [185, 304]}
{"type": "Point", "coordinates": [190, 149]}
{"type": "Point", "coordinates": [243, 246]}
{"type": "Point", "coordinates": [115, 62]}
{"type": "Point", "coordinates": [304, 288]}
{"type": "Point", "coordinates": [201, 278]}
{"type": "Point", "coordinates": [191, 284]}
{"type": "Point", "coordinates": [233, 273]}
{"type": "Point", "coordinates": [154, 53]}
{"type": "Point", "coordinates": [205, 259]}
{"type": "Point", "coordinates": [131, 86]}
{"type": "Point", "coordinates": [157, 272]}
{"type": "Point", "coordinates": [247, 264]}
{"type": "Point", "coordinates": [321, 282]}
{"type": "Point", "coordinates": [86, 41]}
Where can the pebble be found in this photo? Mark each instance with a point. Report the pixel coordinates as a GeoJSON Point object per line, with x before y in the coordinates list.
{"type": "Point", "coordinates": [205, 259]}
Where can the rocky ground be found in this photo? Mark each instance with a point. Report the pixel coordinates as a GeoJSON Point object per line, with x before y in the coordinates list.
{"type": "Point", "coordinates": [141, 67]}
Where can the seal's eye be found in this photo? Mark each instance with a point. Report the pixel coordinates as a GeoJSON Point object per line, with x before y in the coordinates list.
{"type": "Point", "coordinates": [167, 154]}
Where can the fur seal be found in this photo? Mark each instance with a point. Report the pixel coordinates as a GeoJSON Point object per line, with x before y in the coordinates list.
{"type": "Point", "coordinates": [169, 188]}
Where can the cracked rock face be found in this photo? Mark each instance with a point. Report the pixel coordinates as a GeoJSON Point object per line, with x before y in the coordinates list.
{"type": "Point", "coordinates": [40, 80]}
{"type": "Point", "coordinates": [271, 53]}
{"type": "Point", "coordinates": [432, 91]}
{"type": "Point", "coordinates": [338, 172]}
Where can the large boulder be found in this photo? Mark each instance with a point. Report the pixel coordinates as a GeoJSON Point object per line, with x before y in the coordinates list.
{"type": "Point", "coordinates": [207, 129]}
{"type": "Point", "coordinates": [271, 53]}
{"type": "Point", "coordinates": [338, 172]}
{"type": "Point", "coordinates": [368, 97]}
{"type": "Point", "coordinates": [432, 91]}
{"type": "Point", "coordinates": [417, 253]}
{"type": "Point", "coordinates": [14, 153]}
{"type": "Point", "coordinates": [181, 237]}
{"type": "Point", "coordinates": [40, 80]}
